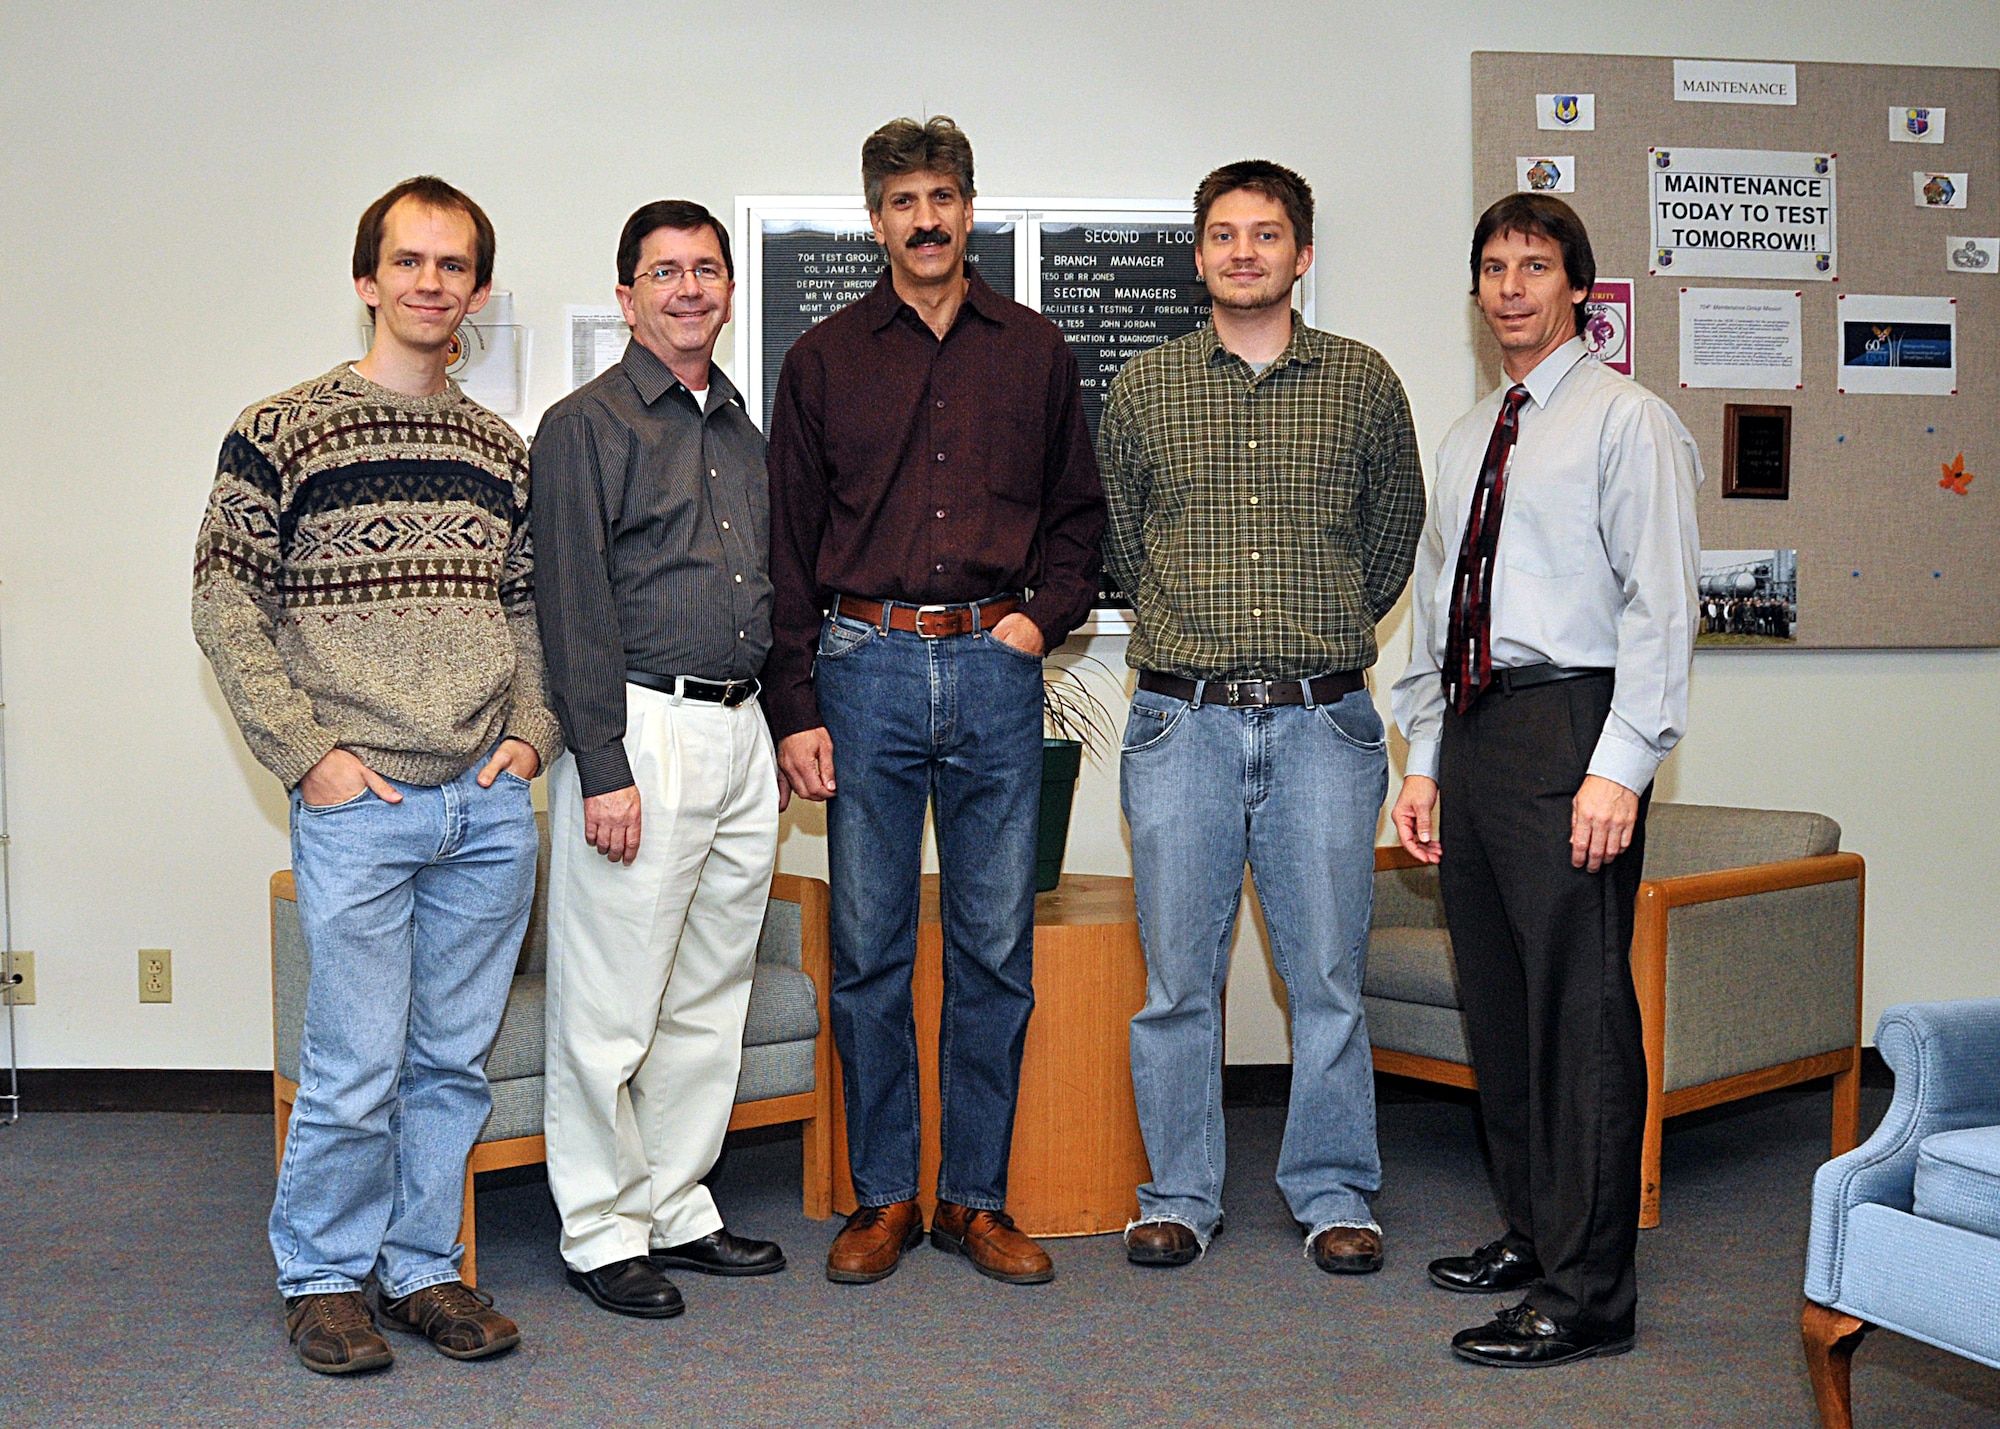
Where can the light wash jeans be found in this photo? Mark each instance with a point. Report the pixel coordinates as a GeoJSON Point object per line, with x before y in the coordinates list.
{"type": "Point", "coordinates": [413, 916]}
{"type": "Point", "coordinates": [1296, 791]}
{"type": "Point", "coordinates": [955, 724]}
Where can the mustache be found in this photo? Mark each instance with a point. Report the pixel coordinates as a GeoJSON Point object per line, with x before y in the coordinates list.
{"type": "Point", "coordinates": [918, 239]}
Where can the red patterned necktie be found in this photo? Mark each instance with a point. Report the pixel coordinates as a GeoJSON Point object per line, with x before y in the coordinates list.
{"type": "Point", "coordinates": [1468, 656]}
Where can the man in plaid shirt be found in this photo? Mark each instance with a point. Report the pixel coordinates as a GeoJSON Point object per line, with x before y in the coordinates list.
{"type": "Point", "coordinates": [1265, 500]}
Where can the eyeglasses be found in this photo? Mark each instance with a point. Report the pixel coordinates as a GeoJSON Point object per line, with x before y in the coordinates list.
{"type": "Point", "coordinates": [669, 275]}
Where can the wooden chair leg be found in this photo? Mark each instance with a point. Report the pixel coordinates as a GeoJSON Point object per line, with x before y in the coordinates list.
{"type": "Point", "coordinates": [281, 1118]}
{"type": "Point", "coordinates": [468, 1235]}
{"type": "Point", "coordinates": [1830, 1340]}
{"type": "Point", "coordinates": [817, 1172]}
{"type": "Point", "coordinates": [1847, 1108]}
{"type": "Point", "coordinates": [1649, 1166]}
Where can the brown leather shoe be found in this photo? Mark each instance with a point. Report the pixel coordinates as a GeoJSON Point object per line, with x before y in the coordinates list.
{"type": "Point", "coordinates": [1160, 1243]}
{"type": "Point", "coordinates": [990, 1241]}
{"type": "Point", "coordinates": [871, 1244]}
{"type": "Point", "coordinates": [459, 1320]}
{"type": "Point", "coordinates": [335, 1334]}
{"type": "Point", "coordinates": [1348, 1250]}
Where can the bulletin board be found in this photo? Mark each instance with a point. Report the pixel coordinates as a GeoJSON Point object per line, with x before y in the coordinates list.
{"type": "Point", "coordinates": [1892, 502]}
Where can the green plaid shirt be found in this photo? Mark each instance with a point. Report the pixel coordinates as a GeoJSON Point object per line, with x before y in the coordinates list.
{"type": "Point", "coordinates": [1261, 522]}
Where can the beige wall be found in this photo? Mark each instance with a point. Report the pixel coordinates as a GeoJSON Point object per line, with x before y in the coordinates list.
{"type": "Point", "coordinates": [181, 184]}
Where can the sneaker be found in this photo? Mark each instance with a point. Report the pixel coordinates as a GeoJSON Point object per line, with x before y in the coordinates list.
{"type": "Point", "coordinates": [335, 1334]}
{"type": "Point", "coordinates": [460, 1321]}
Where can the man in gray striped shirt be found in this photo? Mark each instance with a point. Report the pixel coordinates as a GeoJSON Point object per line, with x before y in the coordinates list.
{"type": "Point", "coordinates": [653, 514]}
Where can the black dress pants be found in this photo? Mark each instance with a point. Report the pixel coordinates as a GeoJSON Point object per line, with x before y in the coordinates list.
{"type": "Point", "coordinates": [1545, 978]}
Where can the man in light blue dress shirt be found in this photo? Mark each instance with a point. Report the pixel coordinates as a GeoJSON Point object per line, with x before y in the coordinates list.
{"type": "Point", "coordinates": [1553, 613]}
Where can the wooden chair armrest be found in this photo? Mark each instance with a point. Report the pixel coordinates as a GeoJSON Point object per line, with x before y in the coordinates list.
{"type": "Point", "coordinates": [283, 887]}
{"type": "Point", "coordinates": [1723, 883]}
{"type": "Point", "coordinates": [1393, 856]}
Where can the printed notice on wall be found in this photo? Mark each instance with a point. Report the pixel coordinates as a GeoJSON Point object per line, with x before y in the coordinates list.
{"type": "Point", "coordinates": [597, 338]}
{"type": "Point", "coordinates": [1741, 337]}
{"type": "Point", "coordinates": [1607, 323]}
{"type": "Point", "coordinates": [1735, 82]}
{"type": "Point", "coordinates": [1907, 346]}
{"type": "Point", "coordinates": [1743, 213]}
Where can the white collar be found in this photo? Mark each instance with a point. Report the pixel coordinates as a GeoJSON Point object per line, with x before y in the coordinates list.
{"type": "Point", "coordinates": [1550, 371]}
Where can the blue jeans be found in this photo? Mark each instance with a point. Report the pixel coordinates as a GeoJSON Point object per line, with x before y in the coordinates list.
{"type": "Point", "coordinates": [413, 916]}
{"type": "Point", "coordinates": [955, 723]}
{"type": "Point", "coordinates": [1296, 791]}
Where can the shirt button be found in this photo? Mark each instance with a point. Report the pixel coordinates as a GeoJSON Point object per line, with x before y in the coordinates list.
{"type": "Point", "coordinates": [725, 525]}
{"type": "Point", "coordinates": [1257, 610]}
{"type": "Point", "coordinates": [940, 456]}
{"type": "Point", "coordinates": [940, 401]}
{"type": "Point", "coordinates": [940, 515]}
{"type": "Point", "coordinates": [739, 579]}
{"type": "Point", "coordinates": [711, 471]}
{"type": "Point", "coordinates": [741, 636]}
{"type": "Point", "coordinates": [1253, 501]}
{"type": "Point", "coordinates": [1253, 444]}
{"type": "Point", "coordinates": [939, 566]}
{"type": "Point", "coordinates": [1255, 556]}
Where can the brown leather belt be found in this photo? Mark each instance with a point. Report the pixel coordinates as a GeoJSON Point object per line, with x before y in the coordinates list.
{"type": "Point", "coordinates": [933, 622]}
{"type": "Point", "coordinates": [1253, 694]}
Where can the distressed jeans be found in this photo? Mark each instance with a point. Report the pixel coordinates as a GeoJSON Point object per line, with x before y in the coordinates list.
{"type": "Point", "coordinates": [954, 724]}
{"type": "Point", "coordinates": [413, 915]}
{"type": "Point", "coordinates": [1296, 791]}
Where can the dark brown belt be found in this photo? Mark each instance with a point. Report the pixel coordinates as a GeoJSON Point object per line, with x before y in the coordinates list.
{"type": "Point", "coordinates": [1242, 694]}
{"type": "Point", "coordinates": [933, 622]}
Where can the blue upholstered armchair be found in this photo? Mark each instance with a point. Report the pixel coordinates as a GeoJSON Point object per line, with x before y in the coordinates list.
{"type": "Point", "coordinates": [1906, 1228]}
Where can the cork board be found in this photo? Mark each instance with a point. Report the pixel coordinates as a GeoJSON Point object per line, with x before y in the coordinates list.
{"type": "Point", "coordinates": [1887, 556]}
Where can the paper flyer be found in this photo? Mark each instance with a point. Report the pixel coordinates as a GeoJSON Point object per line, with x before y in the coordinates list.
{"type": "Point", "coordinates": [1545, 174]}
{"type": "Point", "coordinates": [1741, 337]}
{"type": "Point", "coordinates": [1898, 345]}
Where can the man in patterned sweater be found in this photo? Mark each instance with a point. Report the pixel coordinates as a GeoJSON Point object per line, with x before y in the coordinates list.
{"type": "Point", "coordinates": [363, 588]}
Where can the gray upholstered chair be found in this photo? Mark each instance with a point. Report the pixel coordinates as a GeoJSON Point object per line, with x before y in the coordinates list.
{"type": "Point", "coordinates": [1746, 953]}
{"type": "Point", "coordinates": [787, 1070]}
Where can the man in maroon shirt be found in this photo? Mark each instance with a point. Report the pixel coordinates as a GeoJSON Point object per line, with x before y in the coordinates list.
{"type": "Point", "coordinates": [935, 513]}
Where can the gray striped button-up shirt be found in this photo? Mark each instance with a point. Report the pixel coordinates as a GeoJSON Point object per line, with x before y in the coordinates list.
{"type": "Point", "coordinates": [652, 527]}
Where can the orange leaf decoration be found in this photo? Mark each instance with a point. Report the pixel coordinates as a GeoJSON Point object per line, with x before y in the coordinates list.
{"type": "Point", "coordinates": [1956, 477]}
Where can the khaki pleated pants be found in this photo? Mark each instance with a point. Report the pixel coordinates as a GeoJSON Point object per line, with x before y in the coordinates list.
{"type": "Point", "coordinates": [649, 976]}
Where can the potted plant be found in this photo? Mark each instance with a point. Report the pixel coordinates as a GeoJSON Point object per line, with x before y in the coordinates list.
{"type": "Point", "coordinates": [1074, 721]}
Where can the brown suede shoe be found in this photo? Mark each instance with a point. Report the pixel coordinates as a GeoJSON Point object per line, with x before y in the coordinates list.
{"type": "Point", "coordinates": [459, 1320]}
{"type": "Point", "coordinates": [1161, 1243]}
{"type": "Point", "coordinates": [990, 1241]}
{"type": "Point", "coordinates": [1348, 1250]}
{"type": "Point", "coordinates": [871, 1244]}
{"type": "Point", "coordinates": [335, 1334]}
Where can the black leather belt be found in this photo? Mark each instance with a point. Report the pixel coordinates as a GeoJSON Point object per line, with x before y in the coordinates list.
{"type": "Point", "coordinates": [1526, 677]}
{"type": "Point", "coordinates": [728, 693]}
{"type": "Point", "coordinates": [1253, 694]}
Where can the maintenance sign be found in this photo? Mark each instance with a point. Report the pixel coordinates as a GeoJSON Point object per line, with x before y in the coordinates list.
{"type": "Point", "coordinates": [1743, 213]}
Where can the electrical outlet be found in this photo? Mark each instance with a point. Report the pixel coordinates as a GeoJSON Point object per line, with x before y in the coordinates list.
{"type": "Point", "coordinates": [156, 975]}
{"type": "Point", "coordinates": [23, 992]}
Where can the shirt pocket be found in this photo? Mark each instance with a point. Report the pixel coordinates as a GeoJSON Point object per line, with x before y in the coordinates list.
{"type": "Point", "coordinates": [1549, 525]}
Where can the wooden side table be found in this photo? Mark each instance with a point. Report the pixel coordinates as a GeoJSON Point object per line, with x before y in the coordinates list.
{"type": "Point", "coordinates": [1078, 1158]}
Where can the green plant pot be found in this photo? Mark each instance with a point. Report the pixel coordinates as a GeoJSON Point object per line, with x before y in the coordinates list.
{"type": "Point", "coordinates": [1062, 761]}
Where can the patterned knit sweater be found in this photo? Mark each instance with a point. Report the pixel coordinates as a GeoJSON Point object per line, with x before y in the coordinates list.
{"type": "Point", "coordinates": [364, 579]}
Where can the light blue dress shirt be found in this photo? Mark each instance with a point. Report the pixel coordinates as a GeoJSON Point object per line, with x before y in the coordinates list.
{"type": "Point", "coordinates": [1597, 562]}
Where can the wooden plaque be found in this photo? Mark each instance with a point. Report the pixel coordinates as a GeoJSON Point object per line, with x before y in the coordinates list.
{"type": "Point", "coordinates": [1756, 451]}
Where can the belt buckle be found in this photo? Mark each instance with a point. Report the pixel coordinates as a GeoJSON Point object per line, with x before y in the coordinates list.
{"type": "Point", "coordinates": [1261, 697]}
{"type": "Point", "coordinates": [924, 610]}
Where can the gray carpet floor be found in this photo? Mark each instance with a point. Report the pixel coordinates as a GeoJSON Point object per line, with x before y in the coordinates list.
{"type": "Point", "coordinates": [135, 1289]}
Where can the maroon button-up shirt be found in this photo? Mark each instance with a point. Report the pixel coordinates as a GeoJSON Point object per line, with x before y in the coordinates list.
{"type": "Point", "coordinates": [909, 468]}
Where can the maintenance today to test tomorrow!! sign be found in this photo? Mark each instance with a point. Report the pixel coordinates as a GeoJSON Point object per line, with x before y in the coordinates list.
{"type": "Point", "coordinates": [1743, 213]}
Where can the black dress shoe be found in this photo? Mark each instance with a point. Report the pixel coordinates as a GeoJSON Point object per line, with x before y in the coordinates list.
{"type": "Point", "coordinates": [1490, 1270]}
{"type": "Point", "coordinates": [630, 1287]}
{"type": "Point", "coordinates": [1522, 1337]}
{"type": "Point", "coordinates": [720, 1253]}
